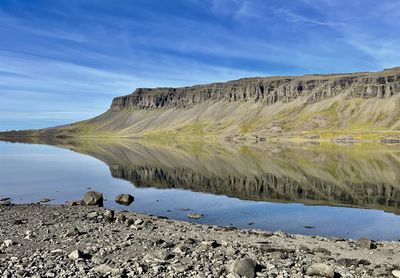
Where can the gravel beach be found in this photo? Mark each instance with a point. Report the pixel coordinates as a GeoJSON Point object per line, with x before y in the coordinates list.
{"type": "Point", "coordinates": [40, 240]}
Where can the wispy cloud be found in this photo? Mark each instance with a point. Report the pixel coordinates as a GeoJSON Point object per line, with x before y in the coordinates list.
{"type": "Point", "coordinates": [297, 18]}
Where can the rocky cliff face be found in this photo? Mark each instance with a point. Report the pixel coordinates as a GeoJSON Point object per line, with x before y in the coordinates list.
{"type": "Point", "coordinates": [266, 90]}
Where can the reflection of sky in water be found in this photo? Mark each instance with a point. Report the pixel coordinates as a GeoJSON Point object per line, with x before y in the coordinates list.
{"type": "Point", "coordinates": [31, 172]}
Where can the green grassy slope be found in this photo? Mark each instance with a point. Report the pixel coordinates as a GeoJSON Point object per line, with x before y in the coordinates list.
{"type": "Point", "coordinates": [364, 119]}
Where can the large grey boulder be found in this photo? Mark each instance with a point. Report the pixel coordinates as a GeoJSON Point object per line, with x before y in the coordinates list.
{"type": "Point", "coordinates": [124, 199]}
{"type": "Point", "coordinates": [245, 267]}
{"type": "Point", "coordinates": [93, 198]}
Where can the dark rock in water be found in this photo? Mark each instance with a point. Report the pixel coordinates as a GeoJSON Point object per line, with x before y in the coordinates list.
{"type": "Point", "coordinates": [245, 267]}
{"type": "Point", "coordinates": [321, 269]}
{"type": "Point", "coordinates": [124, 199]}
{"type": "Point", "coordinates": [45, 200]}
{"type": "Point", "coordinates": [195, 215]}
{"type": "Point", "coordinates": [365, 243]}
{"type": "Point", "coordinates": [5, 199]}
{"type": "Point", "coordinates": [309, 227]}
{"type": "Point", "coordinates": [93, 198]}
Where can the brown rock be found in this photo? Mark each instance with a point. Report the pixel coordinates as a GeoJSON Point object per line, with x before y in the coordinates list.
{"type": "Point", "coordinates": [93, 198]}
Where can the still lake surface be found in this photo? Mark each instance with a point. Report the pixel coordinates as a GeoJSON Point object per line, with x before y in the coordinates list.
{"type": "Point", "coordinates": [344, 191]}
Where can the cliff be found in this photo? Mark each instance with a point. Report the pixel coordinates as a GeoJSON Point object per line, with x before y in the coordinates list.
{"type": "Point", "coordinates": [267, 90]}
{"type": "Point", "coordinates": [339, 107]}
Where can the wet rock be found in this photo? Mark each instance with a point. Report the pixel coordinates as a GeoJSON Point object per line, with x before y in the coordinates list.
{"type": "Point", "coordinates": [245, 267]}
{"type": "Point", "coordinates": [45, 200]}
{"type": "Point", "coordinates": [93, 198]}
{"type": "Point", "coordinates": [195, 215]}
{"type": "Point", "coordinates": [365, 243]}
{"type": "Point", "coordinates": [124, 199]}
{"type": "Point", "coordinates": [321, 269]}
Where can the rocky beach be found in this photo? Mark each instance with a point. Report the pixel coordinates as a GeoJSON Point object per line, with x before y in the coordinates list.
{"type": "Point", "coordinates": [83, 239]}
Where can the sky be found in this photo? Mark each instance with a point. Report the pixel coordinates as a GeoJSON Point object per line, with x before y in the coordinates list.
{"type": "Point", "coordinates": [63, 61]}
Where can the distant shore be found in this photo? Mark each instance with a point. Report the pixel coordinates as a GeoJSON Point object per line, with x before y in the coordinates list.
{"type": "Point", "coordinates": [90, 241]}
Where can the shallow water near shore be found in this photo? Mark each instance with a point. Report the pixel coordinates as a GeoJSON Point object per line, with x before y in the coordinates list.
{"type": "Point", "coordinates": [307, 190]}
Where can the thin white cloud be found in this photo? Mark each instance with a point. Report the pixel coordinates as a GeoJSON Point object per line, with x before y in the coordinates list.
{"type": "Point", "coordinates": [297, 18]}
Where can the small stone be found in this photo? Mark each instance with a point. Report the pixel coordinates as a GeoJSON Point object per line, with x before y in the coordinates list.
{"type": "Point", "coordinates": [8, 242]}
{"type": "Point", "coordinates": [179, 268]}
{"type": "Point", "coordinates": [108, 214]}
{"type": "Point", "coordinates": [45, 200]}
{"type": "Point", "coordinates": [104, 269]}
{"type": "Point", "coordinates": [245, 267]}
{"type": "Point", "coordinates": [321, 269]}
{"type": "Point", "coordinates": [195, 215]}
{"type": "Point", "coordinates": [210, 243]}
{"type": "Point", "coordinates": [138, 222]}
{"type": "Point", "coordinates": [121, 218]}
{"type": "Point", "coordinates": [74, 255]}
{"type": "Point", "coordinates": [396, 273]}
{"type": "Point", "coordinates": [72, 232]}
{"type": "Point", "coordinates": [365, 243]}
{"type": "Point", "coordinates": [93, 198]}
{"type": "Point", "coordinates": [92, 215]}
{"type": "Point", "coordinates": [124, 199]}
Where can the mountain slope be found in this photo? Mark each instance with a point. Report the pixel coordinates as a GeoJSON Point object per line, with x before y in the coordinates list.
{"type": "Point", "coordinates": [357, 106]}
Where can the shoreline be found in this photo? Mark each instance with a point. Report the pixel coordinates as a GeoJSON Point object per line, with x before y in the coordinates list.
{"type": "Point", "coordinates": [91, 241]}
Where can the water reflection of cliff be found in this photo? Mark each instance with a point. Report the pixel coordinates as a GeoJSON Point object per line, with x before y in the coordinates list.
{"type": "Point", "coordinates": [358, 175]}
{"type": "Point", "coordinates": [338, 175]}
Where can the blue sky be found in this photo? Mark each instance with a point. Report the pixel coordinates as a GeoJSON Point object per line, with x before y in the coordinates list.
{"type": "Point", "coordinates": [64, 60]}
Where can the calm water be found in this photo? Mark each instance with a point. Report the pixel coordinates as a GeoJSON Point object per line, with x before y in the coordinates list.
{"type": "Point", "coordinates": [341, 191]}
